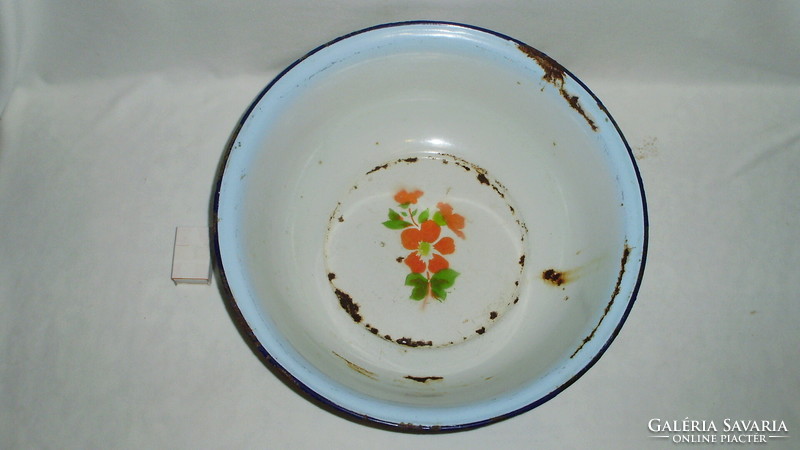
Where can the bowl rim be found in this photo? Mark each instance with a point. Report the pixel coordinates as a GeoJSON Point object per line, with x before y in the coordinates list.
{"type": "Point", "coordinates": [320, 400]}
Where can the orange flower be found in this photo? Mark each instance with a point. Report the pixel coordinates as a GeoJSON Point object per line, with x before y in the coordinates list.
{"type": "Point", "coordinates": [437, 263]}
{"type": "Point", "coordinates": [404, 197]}
{"type": "Point", "coordinates": [454, 221]}
{"type": "Point", "coordinates": [427, 232]}
{"type": "Point", "coordinates": [415, 263]}
{"type": "Point", "coordinates": [423, 241]}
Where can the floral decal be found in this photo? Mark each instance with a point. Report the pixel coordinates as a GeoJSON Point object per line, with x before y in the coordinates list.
{"type": "Point", "coordinates": [431, 275]}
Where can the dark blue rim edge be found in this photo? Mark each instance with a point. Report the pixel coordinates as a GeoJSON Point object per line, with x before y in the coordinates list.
{"type": "Point", "coordinates": [247, 332]}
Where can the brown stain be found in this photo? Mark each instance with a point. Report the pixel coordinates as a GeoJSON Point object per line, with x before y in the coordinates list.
{"type": "Point", "coordinates": [377, 168]}
{"type": "Point", "coordinates": [647, 149]}
{"type": "Point", "coordinates": [405, 426]}
{"type": "Point", "coordinates": [347, 303]}
{"type": "Point", "coordinates": [423, 379]}
{"type": "Point", "coordinates": [333, 215]}
{"type": "Point", "coordinates": [483, 180]}
{"type": "Point", "coordinates": [554, 74]}
{"type": "Point", "coordinates": [408, 342]}
{"type": "Point", "coordinates": [522, 260]}
{"type": "Point", "coordinates": [555, 277]}
{"type": "Point", "coordinates": [499, 192]}
{"type": "Point", "coordinates": [331, 276]}
{"type": "Point", "coordinates": [410, 160]}
{"type": "Point", "coordinates": [493, 315]}
{"type": "Point", "coordinates": [340, 219]}
{"type": "Point", "coordinates": [623, 261]}
{"type": "Point", "coordinates": [481, 330]}
{"type": "Point", "coordinates": [399, 259]}
{"type": "Point", "coordinates": [357, 368]}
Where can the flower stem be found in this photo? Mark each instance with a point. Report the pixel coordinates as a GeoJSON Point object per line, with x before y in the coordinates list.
{"type": "Point", "coordinates": [429, 293]}
{"type": "Point", "coordinates": [412, 218]}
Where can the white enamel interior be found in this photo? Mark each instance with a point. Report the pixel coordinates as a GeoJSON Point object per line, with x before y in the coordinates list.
{"type": "Point", "coordinates": [421, 90]}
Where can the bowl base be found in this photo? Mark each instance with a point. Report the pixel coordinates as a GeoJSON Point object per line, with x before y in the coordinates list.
{"type": "Point", "coordinates": [426, 251]}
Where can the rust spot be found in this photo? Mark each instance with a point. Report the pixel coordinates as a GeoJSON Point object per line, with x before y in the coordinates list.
{"type": "Point", "coordinates": [554, 74]}
{"type": "Point", "coordinates": [372, 329]}
{"type": "Point", "coordinates": [341, 219]}
{"type": "Point", "coordinates": [554, 277]}
{"type": "Point", "coordinates": [410, 160]}
{"type": "Point", "coordinates": [493, 315]}
{"type": "Point", "coordinates": [499, 192]}
{"type": "Point", "coordinates": [422, 379]}
{"type": "Point", "coordinates": [522, 260]}
{"type": "Point", "coordinates": [357, 368]}
{"type": "Point", "coordinates": [408, 342]}
{"type": "Point", "coordinates": [405, 426]}
{"type": "Point", "coordinates": [347, 303]}
{"type": "Point", "coordinates": [481, 330]}
{"type": "Point", "coordinates": [399, 259]}
{"type": "Point", "coordinates": [516, 300]}
{"type": "Point", "coordinates": [331, 276]}
{"type": "Point", "coordinates": [377, 168]}
{"type": "Point", "coordinates": [623, 261]}
{"type": "Point", "coordinates": [482, 178]}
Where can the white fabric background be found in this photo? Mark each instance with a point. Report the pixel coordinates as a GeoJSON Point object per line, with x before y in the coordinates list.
{"type": "Point", "coordinates": [114, 118]}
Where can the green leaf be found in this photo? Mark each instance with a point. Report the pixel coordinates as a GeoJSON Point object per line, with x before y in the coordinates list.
{"type": "Point", "coordinates": [420, 284]}
{"type": "Point", "coordinates": [413, 279]}
{"type": "Point", "coordinates": [439, 219]}
{"type": "Point", "coordinates": [403, 205]}
{"type": "Point", "coordinates": [396, 224]}
{"type": "Point", "coordinates": [414, 213]}
{"type": "Point", "coordinates": [438, 293]}
{"type": "Point", "coordinates": [424, 216]}
{"type": "Point", "coordinates": [419, 292]}
{"type": "Point", "coordinates": [444, 279]}
{"type": "Point", "coordinates": [393, 215]}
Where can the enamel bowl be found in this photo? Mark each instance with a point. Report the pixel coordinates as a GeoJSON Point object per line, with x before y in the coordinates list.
{"type": "Point", "coordinates": [429, 226]}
